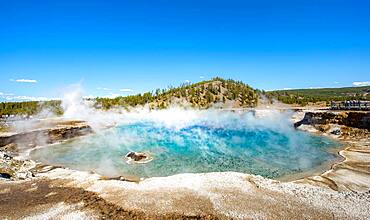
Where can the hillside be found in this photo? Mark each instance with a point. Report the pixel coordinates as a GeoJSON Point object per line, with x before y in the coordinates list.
{"type": "Point", "coordinates": [204, 94]}
{"type": "Point", "coordinates": [216, 92]}
{"type": "Point", "coordinates": [305, 96]}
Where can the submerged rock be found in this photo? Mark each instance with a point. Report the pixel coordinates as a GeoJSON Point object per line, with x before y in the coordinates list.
{"type": "Point", "coordinates": [138, 157]}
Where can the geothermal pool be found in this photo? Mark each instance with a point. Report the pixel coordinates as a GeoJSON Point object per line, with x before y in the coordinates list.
{"type": "Point", "coordinates": [242, 142]}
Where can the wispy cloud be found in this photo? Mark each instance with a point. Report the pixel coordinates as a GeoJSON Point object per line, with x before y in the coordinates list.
{"type": "Point", "coordinates": [286, 88]}
{"type": "Point", "coordinates": [202, 77]}
{"type": "Point", "coordinates": [126, 90]}
{"type": "Point", "coordinates": [89, 96]}
{"type": "Point", "coordinates": [365, 83]}
{"type": "Point", "coordinates": [105, 89]}
{"type": "Point", "coordinates": [25, 98]}
{"type": "Point", "coordinates": [187, 81]}
{"type": "Point", "coordinates": [110, 96]}
{"type": "Point", "coordinates": [5, 94]}
{"type": "Point", "coordinates": [24, 80]}
{"type": "Point", "coordinates": [30, 98]}
{"type": "Point", "coordinates": [12, 97]}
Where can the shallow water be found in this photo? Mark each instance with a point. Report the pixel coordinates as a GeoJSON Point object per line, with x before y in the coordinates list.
{"type": "Point", "coordinates": [232, 142]}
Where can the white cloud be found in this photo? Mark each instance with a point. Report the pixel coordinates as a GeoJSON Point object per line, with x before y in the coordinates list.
{"type": "Point", "coordinates": [25, 98]}
{"type": "Point", "coordinates": [287, 88]}
{"type": "Point", "coordinates": [32, 98]}
{"type": "Point", "coordinates": [336, 82]}
{"type": "Point", "coordinates": [365, 83]}
{"type": "Point", "coordinates": [12, 97]}
{"type": "Point", "coordinates": [105, 89]}
{"type": "Point", "coordinates": [112, 95]}
{"type": "Point", "coordinates": [202, 77]}
{"type": "Point", "coordinates": [126, 90]}
{"type": "Point", "coordinates": [5, 94]}
{"type": "Point", "coordinates": [24, 80]}
{"type": "Point", "coordinates": [187, 81]}
{"type": "Point", "coordinates": [89, 97]}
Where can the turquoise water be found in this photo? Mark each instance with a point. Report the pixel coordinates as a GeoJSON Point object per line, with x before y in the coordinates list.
{"type": "Point", "coordinates": [202, 146]}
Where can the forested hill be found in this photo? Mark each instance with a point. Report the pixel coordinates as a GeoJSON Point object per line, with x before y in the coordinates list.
{"type": "Point", "coordinates": [305, 96]}
{"type": "Point", "coordinates": [216, 92]}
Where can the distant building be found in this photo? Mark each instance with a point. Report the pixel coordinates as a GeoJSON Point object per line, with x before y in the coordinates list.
{"type": "Point", "coordinates": [351, 105]}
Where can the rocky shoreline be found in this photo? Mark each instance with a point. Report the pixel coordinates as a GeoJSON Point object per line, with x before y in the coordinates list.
{"type": "Point", "coordinates": [45, 132]}
{"type": "Point", "coordinates": [339, 193]}
{"type": "Point", "coordinates": [353, 130]}
{"type": "Point", "coordinates": [12, 144]}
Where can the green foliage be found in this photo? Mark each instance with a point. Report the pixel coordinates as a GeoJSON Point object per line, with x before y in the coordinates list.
{"type": "Point", "coordinates": [30, 108]}
{"type": "Point", "coordinates": [125, 101]}
{"type": "Point", "coordinates": [200, 95]}
{"type": "Point", "coordinates": [305, 96]}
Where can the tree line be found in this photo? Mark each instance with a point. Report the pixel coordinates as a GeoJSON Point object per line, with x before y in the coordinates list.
{"type": "Point", "coordinates": [199, 95]}
{"type": "Point", "coordinates": [304, 96]}
{"type": "Point", "coordinates": [30, 107]}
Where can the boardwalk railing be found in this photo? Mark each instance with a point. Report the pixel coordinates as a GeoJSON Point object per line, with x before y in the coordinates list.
{"type": "Point", "coordinates": [351, 105]}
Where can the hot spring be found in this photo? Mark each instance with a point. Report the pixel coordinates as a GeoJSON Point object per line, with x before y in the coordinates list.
{"type": "Point", "coordinates": [263, 143]}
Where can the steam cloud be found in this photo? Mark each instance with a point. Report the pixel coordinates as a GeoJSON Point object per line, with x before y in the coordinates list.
{"type": "Point", "coordinates": [75, 107]}
{"type": "Point", "coordinates": [174, 118]}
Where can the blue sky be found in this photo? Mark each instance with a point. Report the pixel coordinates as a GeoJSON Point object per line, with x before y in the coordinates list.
{"type": "Point", "coordinates": [127, 47]}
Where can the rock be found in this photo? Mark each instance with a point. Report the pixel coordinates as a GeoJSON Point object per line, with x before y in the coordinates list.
{"type": "Point", "coordinates": [24, 175]}
{"type": "Point", "coordinates": [351, 119]}
{"type": "Point", "coordinates": [138, 157]}
{"type": "Point", "coordinates": [4, 156]}
{"type": "Point", "coordinates": [335, 132]}
{"type": "Point", "coordinates": [44, 136]}
{"type": "Point", "coordinates": [12, 147]}
{"type": "Point", "coordinates": [5, 175]}
{"type": "Point", "coordinates": [6, 172]}
{"type": "Point", "coordinates": [14, 169]}
{"type": "Point", "coordinates": [323, 128]}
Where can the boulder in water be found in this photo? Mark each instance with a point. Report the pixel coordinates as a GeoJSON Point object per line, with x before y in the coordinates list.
{"type": "Point", "coordinates": [138, 157]}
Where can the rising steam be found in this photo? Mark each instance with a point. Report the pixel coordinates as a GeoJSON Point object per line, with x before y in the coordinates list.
{"type": "Point", "coordinates": [75, 107]}
{"type": "Point", "coordinates": [225, 137]}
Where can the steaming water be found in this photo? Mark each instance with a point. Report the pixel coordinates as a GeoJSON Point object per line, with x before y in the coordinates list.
{"type": "Point", "coordinates": [267, 146]}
